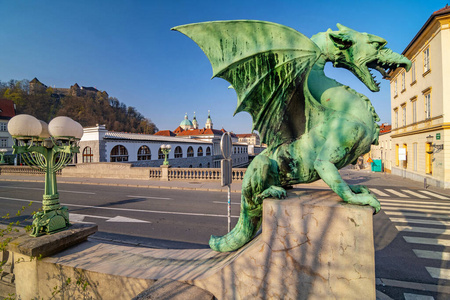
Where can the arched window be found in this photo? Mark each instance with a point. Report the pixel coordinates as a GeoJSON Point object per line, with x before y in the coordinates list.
{"type": "Point", "coordinates": [200, 165]}
{"type": "Point", "coordinates": [200, 151]}
{"type": "Point", "coordinates": [208, 152]}
{"type": "Point", "coordinates": [119, 153]}
{"type": "Point", "coordinates": [190, 152]}
{"type": "Point", "coordinates": [144, 153]}
{"type": "Point", "coordinates": [161, 154]}
{"type": "Point", "coordinates": [87, 155]}
{"type": "Point", "coordinates": [178, 152]}
{"type": "Point", "coordinates": [209, 165]}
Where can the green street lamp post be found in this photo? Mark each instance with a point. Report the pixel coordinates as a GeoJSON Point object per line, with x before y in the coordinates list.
{"type": "Point", "coordinates": [48, 148]}
{"type": "Point", "coordinates": [165, 149]}
{"type": "Point", "coordinates": [2, 155]}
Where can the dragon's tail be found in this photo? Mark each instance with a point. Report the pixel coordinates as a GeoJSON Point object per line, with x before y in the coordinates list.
{"type": "Point", "coordinates": [246, 227]}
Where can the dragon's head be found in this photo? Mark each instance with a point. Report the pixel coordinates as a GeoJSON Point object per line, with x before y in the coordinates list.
{"type": "Point", "coordinates": [360, 52]}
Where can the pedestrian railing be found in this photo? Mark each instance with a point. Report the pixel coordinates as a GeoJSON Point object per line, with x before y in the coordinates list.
{"type": "Point", "coordinates": [22, 170]}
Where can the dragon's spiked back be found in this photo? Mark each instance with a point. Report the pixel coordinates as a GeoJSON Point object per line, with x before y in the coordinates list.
{"type": "Point", "coordinates": [267, 64]}
{"type": "Point", "coordinates": [359, 52]}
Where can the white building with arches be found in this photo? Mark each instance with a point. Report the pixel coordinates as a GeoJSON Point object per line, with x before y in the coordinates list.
{"type": "Point", "coordinates": [100, 145]}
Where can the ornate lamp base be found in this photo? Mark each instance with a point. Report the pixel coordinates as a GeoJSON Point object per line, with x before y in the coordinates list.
{"type": "Point", "coordinates": [52, 221]}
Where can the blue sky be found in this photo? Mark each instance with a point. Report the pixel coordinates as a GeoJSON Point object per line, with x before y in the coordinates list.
{"type": "Point", "coordinates": [127, 49]}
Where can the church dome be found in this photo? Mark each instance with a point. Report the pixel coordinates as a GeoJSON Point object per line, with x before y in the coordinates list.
{"type": "Point", "coordinates": [186, 123]}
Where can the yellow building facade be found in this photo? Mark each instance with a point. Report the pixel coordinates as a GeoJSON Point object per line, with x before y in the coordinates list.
{"type": "Point", "coordinates": [420, 106]}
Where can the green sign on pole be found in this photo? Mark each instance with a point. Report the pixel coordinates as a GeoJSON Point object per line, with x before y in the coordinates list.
{"type": "Point", "coordinates": [438, 136]}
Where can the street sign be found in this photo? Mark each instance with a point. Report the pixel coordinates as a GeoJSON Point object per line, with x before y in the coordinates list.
{"type": "Point", "coordinates": [402, 154]}
{"type": "Point", "coordinates": [438, 136]}
{"type": "Point", "coordinates": [226, 145]}
{"type": "Point", "coordinates": [226, 169]}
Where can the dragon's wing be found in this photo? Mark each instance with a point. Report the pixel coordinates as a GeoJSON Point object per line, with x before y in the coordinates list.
{"type": "Point", "coordinates": [267, 64]}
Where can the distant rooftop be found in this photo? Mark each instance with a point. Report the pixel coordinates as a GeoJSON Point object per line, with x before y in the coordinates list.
{"type": "Point", "coordinates": [7, 110]}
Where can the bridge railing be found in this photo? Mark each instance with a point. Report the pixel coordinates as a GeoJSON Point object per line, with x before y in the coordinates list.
{"type": "Point", "coordinates": [123, 170]}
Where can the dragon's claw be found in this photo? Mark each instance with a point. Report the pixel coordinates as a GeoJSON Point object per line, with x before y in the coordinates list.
{"type": "Point", "coordinates": [365, 199]}
{"type": "Point", "coordinates": [273, 191]}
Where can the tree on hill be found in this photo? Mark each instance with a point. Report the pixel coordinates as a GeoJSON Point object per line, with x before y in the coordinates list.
{"type": "Point", "coordinates": [90, 109]}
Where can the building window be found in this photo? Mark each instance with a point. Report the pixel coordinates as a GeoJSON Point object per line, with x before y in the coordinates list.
{"type": "Point", "coordinates": [3, 127]}
{"type": "Point", "coordinates": [415, 156]}
{"type": "Point", "coordinates": [118, 154]}
{"type": "Point", "coordinates": [395, 88]}
{"type": "Point", "coordinates": [414, 110]}
{"type": "Point", "coordinates": [190, 152]}
{"type": "Point", "coordinates": [426, 60]}
{"type": "Point", "coordinates": [144, 153]}
{"type": "Point", "coordinates": [208, 152]}
{"type": "Point", "coordinates": [405, 162]}
{"type": "Point", "coordinates": [161, 154]}
{"type": "Point", "coordinates": [427, 105]}
{"type": "Point", "coordinates": [87, 155]}
{"type": "Point", "coordinates": [3, 142]}
{"type": "Point", "coordinates": [178, 152]}
{"type": "Point", "coordinates": [200, 151]}
{"type": "Point", "coordinates": [413, 72]}
{"type": "Point", "coordinates": [403, 81]}
{"type": "Point", "coordinates": [396, 118]}
{"type": "Point", "coordinates": [404, 115]}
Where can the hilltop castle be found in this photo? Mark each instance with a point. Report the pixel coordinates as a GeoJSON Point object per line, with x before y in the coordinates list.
{"type": "Point", "coordinates": [75, 90]}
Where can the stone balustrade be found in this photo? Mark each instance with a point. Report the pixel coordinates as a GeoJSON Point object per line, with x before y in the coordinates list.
{"type": "Point", "coordinates": [124, 170]}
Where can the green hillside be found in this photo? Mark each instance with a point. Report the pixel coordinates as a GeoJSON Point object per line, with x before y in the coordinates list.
{"type": "Point", "coordinates": [88, 108]}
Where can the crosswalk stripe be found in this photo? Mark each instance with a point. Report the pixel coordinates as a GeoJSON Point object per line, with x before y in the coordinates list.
{"type": "Point", "coordinates": [408, 214]}
{"type": "Point", "coordinates": [409, 296]}
{"type": "Point", "coordinates": [408, 206]}
{"type": "Point", "coordinates": [423, 230]}
{"type": "Point", "coordinates": [430, 203]}
{"type": "Point", "coordinates": [439, 273]}
{"type": "Point", "coordinates": [426, 241]}
{"type": "Point", "coordinates": [378, 192]}
{"type": "Point", "coordinates": [435, 195]}
{"type": "Point", "coordinates": [396, 193]}
{"type": "Point", "coordinates": [438, 210]}
{"type": "Point", "coordinates": [419, 221]}
{"type": "Point", "coordinates": [415, 194]}
{"type": "Point", "coordinates": [432, 254]}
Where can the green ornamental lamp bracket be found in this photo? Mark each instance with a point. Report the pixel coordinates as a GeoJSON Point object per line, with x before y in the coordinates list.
{"type": "Point", "coordinates": [48, 148]}
{"type": "Point", "coordinates": [165, 149]}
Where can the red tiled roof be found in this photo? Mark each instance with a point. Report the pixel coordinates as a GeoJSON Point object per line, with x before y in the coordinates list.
{"type": "Point", "coordinates": [244, 135]}
{"type": "Point", "coordinates": [7, 110]}
{"type": "Point", "coordinates": [384, 128]}
{"type": "Point", "coordinates": [202, 131]}
{"type": "Point", "coordinates": [165, 133]}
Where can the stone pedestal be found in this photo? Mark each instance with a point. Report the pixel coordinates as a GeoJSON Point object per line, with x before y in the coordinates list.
{"type": "Point", "coordinates": [165, 172]}
{"type": "Point", "coordinates": [313, 246]}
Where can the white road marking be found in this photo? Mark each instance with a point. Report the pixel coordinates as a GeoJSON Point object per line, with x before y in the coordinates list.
{"type": "Point", "coordinates": [386, 207]}
{"type": "Point", "coordinates": [80, 218]}
{"type": "Point", "coordinates": [225, 202]}
{"type": "Point", "coordinates": [378, 192]}
{"type": "Point", "coordinates": [130, 209]}
{"type": "Point", "coordinates": [415, 194]}
{"type": "Point", "coordinates": [432, 254]}
{"type": "Point", "coordinates": [408, 214]}
{"type": "Point", "coordinates": [40, 189]}
{"type": "Point", "coordinates": [423, 230]}
{"type": "Point", "coordinates": [149, 197]}
{"type": "Point", "coordinates": [427, 241]}
{"type": "Point", "coordinates": [409, 296]}
{"type": "Point", "coordinates": [435, 195]}
{"type": "Point", "coordinates": [439, 273]}
{"type": "Point", "coordinates": [419, 221]}
{"type": "Point", "coordinates": [396, 193]}
{"type": "Point", "coordinates": [421, 203]}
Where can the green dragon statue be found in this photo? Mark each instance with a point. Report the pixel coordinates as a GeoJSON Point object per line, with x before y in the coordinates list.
{"type": "Point", "coordinates": [312, 124]}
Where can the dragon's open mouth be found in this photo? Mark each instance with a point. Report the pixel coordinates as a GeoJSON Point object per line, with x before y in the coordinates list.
{"type": "Point", "coordinates": [384, 67]}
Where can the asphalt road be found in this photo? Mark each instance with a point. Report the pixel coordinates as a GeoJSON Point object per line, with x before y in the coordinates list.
{"type": "Point", "coordinates": [158, 218]}
{"type": "Point", "coordinates": [411, 233]}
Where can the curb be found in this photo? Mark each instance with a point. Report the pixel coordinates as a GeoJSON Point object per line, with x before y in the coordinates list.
{"type": "Point", "coordinates": [130, 185]}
